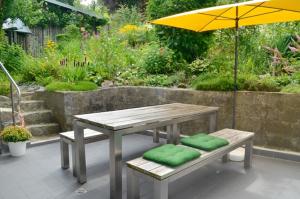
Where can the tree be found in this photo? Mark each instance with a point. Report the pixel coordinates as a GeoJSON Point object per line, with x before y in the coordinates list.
{"type": "Point", "coordinates": [187, 44]}
{"type": "Point", "coordinates": [5, 8]}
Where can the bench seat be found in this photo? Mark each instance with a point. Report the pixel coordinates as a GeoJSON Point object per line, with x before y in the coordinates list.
{"type": "Point", "coordinates": [67, 138]}
{"type": "Point", "coordinates": [162, 175]}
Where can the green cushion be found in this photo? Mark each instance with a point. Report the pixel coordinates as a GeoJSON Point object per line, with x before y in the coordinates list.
{"type": "Point", "coordinates": [204, 142]}
{"type": "Point", "coordinates": [171, 155]}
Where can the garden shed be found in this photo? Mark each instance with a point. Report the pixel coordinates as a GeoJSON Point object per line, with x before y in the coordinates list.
{"type": "Point", "coordinates": [17, 32]}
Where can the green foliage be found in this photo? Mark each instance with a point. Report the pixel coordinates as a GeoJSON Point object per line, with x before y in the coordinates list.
{"type": "Point", "coordinates": [73, 74]}
{"type": "Point", "coordinates": [71, 86]}
{"type": "Point", "coordinates": [71, 32]}
{"type": "Point", "coordinates": [225, 82]}
{"type": "Point", "coordinates": [126, 15]}
{"type": "Point", "coordinates": [36, 69]}
{"type": "Point", "coordinates": [198, 67]}
{"type": "Point", "coordinates": [137, 35]}
{"type": "Point", "coordinates": [15, 134]}
{"type": "Point", "coordinates": [292, 88]}
{"type": "Point", "coordinates": [158, 59]}
{"type": "Point", "coordinates": [188, 44]}
{"type": "Point", "coordinates": [12, 56]}
{"type": "Point", "coordinates": [4, 88]}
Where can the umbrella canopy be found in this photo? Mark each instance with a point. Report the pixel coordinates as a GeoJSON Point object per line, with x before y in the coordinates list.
{"type": "Point", "coordinates": [247, 13]}
{"type": "Point", "coordinates": [236, 15]}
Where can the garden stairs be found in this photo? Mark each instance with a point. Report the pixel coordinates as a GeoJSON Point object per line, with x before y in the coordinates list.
{"type": "Point", "coordinates": [39, 120]}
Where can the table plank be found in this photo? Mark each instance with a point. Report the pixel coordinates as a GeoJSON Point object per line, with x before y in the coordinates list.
{"type": "Point", "coordinates": [127, 118]}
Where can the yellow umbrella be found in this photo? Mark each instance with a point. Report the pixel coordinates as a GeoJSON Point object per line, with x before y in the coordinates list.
{"type": "Point", "coordinates": [234, 16]}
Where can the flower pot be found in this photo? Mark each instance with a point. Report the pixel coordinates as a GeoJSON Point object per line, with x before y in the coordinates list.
{"type": "Point", "coordinates": [17, 148]}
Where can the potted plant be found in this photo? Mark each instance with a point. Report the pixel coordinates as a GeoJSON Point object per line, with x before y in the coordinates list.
{"type": "Point", "coordinates": [17, 138]}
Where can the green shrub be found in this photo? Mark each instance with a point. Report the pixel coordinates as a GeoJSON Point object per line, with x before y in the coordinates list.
{"type": "Point", "coordinates": [126, 15]}
{"type": "Point", "coordinates": [4, 88]}
{"type": "Point", "coordinates": [214, 82]}
{"type": "Point", "coordinates": [137, 35]}
{"type": "Point", "coordinates": [158, 59]}
{"type": "Point", "coordinates": [292, 88]}
{"type": "Point", "coordinates": [15, 134]}
{"type": "Point", "coordinates": [268, 84]}
{"type": "Point", "coordinates": [36, 69]}
{"type": "Point", "coordinates": [73, 74]}
{"type": "Point", "coordinates": [296, 77]}
{"type": "Point", "coordinates": [197, 67]}
{"type": "Point", "coordinates": [69, 86]}
{"type": "Point", "coordinates": [186, 43]}
{"type": "Point", "coordinates": [12, 56]}
{"type": "Point", "coordinates": [225, 82]}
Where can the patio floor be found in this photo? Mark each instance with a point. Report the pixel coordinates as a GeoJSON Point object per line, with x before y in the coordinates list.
{"type": "Point", "coordinates": [38, 176]}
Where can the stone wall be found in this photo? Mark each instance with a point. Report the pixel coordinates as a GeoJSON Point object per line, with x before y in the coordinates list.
{"type": "Point", "coordinates": [274, 117]}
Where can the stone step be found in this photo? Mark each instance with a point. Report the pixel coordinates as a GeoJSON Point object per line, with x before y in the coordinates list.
{"type": "Point", "coordinates": [37, 117]}
{"type": "Point", "coordinates": [32, 105]}
{"type": "Point", "coordinates": [28, 105]}
{"type": "Point", "coordinates": [43, 129]}
{"type": "Point", "coordinates": [27, 96]}
{"type": "Point", "coordinates": [6, 114]}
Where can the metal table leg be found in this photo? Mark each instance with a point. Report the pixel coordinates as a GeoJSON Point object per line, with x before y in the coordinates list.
{"type": "Point", "coordinates": [213, 122]}
{"type": "Point", "coordinates": [176, 134]}
{"type": "Point", "coordinates": [115, 155]}
{"type": "Point", "coordinates": [170, 134]}
{"type": "Point", "coordinates": [80, 153]}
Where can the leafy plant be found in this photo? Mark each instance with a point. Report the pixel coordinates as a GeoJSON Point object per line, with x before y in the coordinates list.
{"type": "Point", "coordinates": [12, 56]}
{"type": "Point", "coordinates": [71, 86]}
{"type": "Point", "coordinates": [198, 67]}
{"type": "Point", "coordinates": [158, 59]}
{"type": "Point", "coordinates": [292, 88]}
{"type": "Point", "coordinates": [15, 134]}
{"type": "Point", "coordinates": [73, 74]}
{"type": "Point", "coordinates": [4, 88]}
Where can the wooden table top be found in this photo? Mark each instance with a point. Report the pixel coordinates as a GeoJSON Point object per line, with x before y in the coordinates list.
{"type": "Point", "coordinates": [127, 118]}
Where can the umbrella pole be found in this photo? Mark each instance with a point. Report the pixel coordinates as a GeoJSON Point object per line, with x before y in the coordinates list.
{"type": "Point", "coordinates": [236, 63]}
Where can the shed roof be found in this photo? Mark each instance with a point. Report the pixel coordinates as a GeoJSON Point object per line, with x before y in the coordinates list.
{"type": "Point", "coordinates": [16, 25]}
{"type": "Point", "coordinates": [79, 10]}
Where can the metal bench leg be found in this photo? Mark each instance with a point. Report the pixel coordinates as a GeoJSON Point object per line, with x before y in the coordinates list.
{"type": "Point", "coordinates": [160, 189]}
{"type": "Point", "coordinates": [225, 158]}
{"type": "Point", "coordinates": [133, 189]}
{"type": "Point", "coordinates": [64, 154]}
{"type": "Point", "coordinates": [155, 136]}
{"type": "Point", "coordinates": [74, 160]}
{"type": "Point", "coordinates": [248, 154]}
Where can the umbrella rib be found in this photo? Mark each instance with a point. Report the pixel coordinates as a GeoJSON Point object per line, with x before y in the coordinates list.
{"type": "Point", "coordinates": [259, 5]}
{"type": "Point", "coordinates": [283, 9]}
{"type": "Point", "coordinates": [262, 14]}
{"type": "Point", "coordinates": [227, 18]}
{"type": "Point", "coordinates": [220, 15]}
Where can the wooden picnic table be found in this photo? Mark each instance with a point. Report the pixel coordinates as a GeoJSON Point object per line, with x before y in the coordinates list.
{"type": "Point", "coordinates": [122, 122]}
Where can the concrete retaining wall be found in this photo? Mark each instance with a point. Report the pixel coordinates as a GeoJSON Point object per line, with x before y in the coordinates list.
{"type": "Point", "coordinates": [275, 117]}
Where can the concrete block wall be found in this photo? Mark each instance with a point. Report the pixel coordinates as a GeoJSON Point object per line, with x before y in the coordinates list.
{"type": "Point", "coordinates": [274, 117]}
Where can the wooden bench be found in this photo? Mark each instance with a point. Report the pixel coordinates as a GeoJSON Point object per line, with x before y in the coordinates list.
{"type": "Point", "coordinates": [161, 175]}
{"type": "Point", "coordinates": [67, 138]}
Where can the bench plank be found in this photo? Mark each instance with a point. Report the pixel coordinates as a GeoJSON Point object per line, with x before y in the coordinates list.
{"type": "Point", "coordinates": [158, 171]}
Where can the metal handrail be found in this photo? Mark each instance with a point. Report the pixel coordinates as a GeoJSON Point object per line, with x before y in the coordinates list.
{"type": "Point", "coordinates": [13, 83]}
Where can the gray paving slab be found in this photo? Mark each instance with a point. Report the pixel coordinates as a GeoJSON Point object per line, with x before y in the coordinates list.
{"type": "Point", "coordinates": [38, 176]}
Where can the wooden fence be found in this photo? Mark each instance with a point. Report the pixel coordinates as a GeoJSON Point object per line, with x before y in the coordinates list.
{"type": "Point", "coordinates": [39, 37]}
